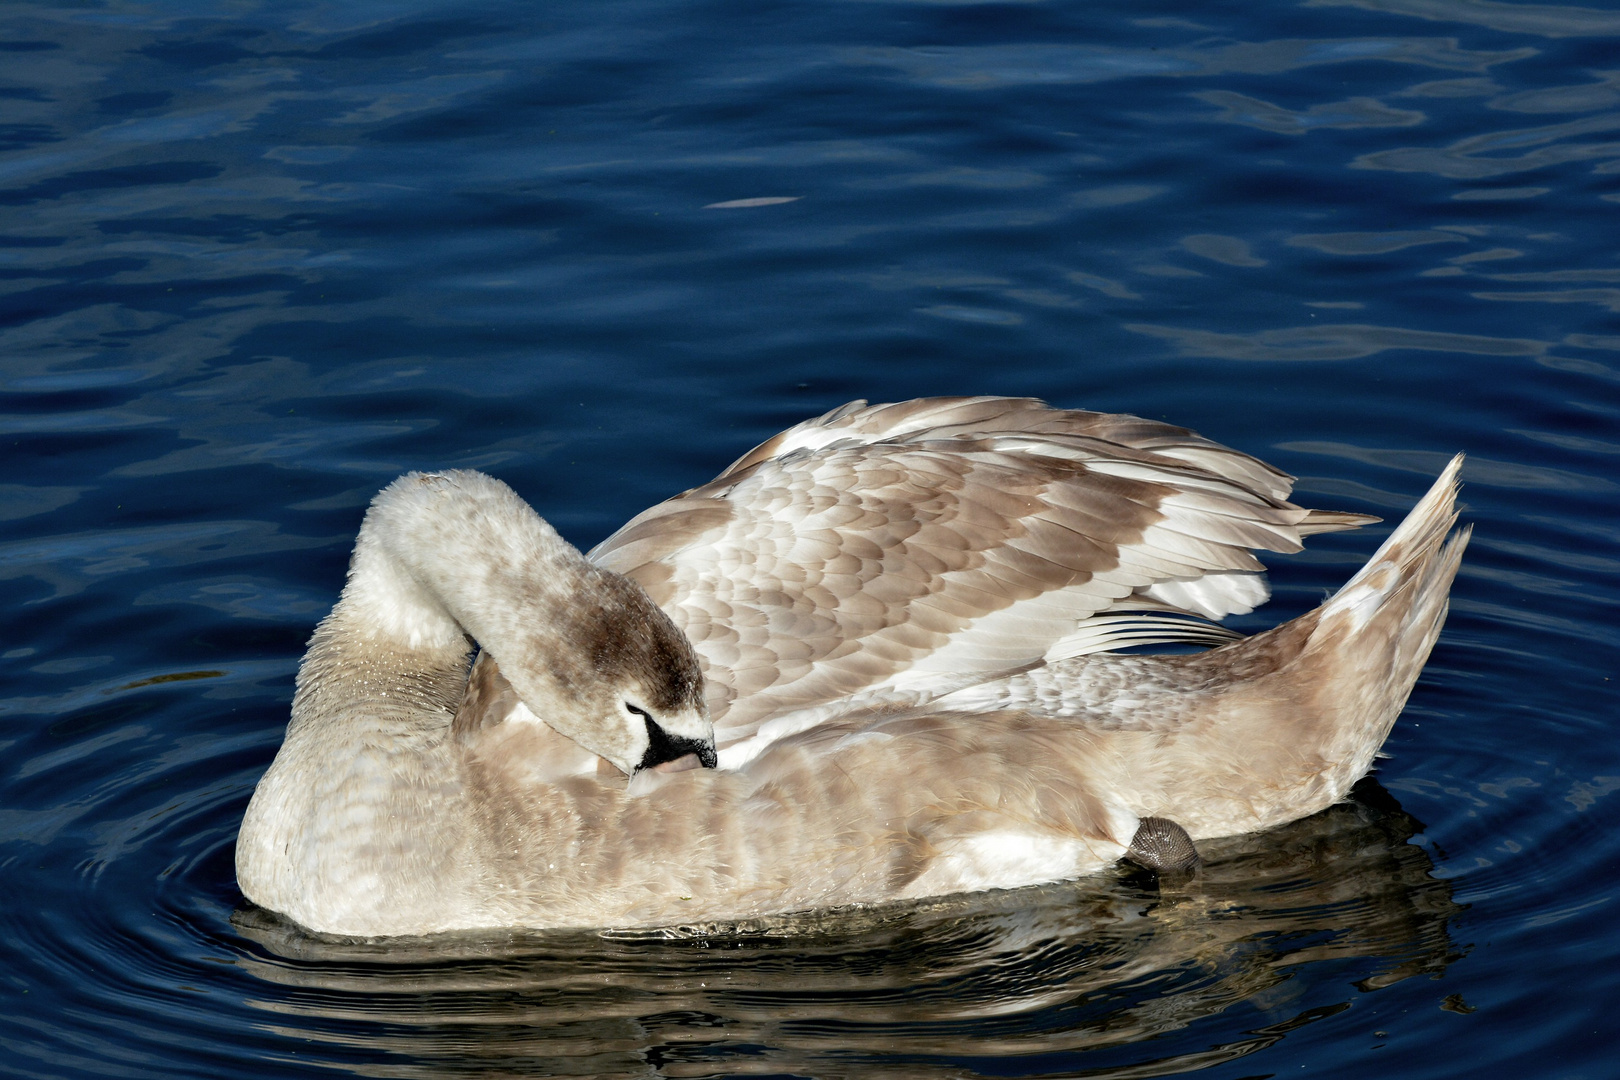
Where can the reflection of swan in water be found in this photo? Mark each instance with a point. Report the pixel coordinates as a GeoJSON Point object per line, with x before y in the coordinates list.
{"type": "Point", "coordinates": [1282, 922]}
{"type": "Point", "coordinates": [901, 620]}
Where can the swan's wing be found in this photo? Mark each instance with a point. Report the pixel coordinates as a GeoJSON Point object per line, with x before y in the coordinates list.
{"type": "Point", "coordinates": [896, 552]}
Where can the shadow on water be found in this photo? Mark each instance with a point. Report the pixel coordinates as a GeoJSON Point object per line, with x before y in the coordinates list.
{"type": "Point", "coordinates": [1105, 977]}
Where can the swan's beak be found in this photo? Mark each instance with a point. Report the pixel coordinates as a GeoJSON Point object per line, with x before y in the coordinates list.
{"type": "Point", "coordinates": [666, 749]}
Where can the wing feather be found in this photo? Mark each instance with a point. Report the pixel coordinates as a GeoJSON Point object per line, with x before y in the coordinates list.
{"type": "Point", "coordinates": [899, 551]}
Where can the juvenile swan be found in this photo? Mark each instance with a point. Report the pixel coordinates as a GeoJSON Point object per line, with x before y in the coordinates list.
{"type": "Point", "coordinates": [889, 638]}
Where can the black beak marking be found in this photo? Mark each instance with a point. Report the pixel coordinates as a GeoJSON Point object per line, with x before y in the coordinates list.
{"type": "Point", "coordinates": [662, 747]}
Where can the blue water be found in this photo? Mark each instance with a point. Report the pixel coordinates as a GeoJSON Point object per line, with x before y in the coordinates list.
{"type": "Point", "coordinates": [256, 260]}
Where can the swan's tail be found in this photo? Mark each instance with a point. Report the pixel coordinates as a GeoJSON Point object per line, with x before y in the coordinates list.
{"type": "Point", "coordinates": [1370, 640]}
{"type": "Point", "coordinates": [1387, 616]}
{"type": "Point", "coordinates": [1308, 703]}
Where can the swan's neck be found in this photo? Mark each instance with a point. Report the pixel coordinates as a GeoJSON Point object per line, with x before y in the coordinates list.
{"type": "Point", "coordinates": [365, 809]}
{"type": "Point", "coordinates": [444, 556]}
{"type": "Point", "coordinates": [441, 560]}
{"type": "Point", "coordinates": [447, 559]}
{"type": "Point", "coordinates": [363, 813]}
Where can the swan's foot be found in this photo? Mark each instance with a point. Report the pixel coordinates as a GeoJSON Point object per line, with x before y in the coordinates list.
{"type": "Point", "coordinates": [1163, 846]}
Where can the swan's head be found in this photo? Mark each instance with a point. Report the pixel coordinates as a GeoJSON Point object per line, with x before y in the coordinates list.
{"type": "Point", "coordinates": [623, 681]}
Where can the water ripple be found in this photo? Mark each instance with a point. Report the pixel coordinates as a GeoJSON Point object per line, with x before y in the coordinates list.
{"type": "Point", "coordinates": [255, 262]}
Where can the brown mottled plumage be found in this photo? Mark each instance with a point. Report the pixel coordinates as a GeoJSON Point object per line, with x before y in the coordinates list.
{"type": "Point", "coordinates": [893, 624]}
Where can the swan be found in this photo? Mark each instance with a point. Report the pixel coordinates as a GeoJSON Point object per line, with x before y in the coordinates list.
{"type": "Point", "coordinates": [876, 659]}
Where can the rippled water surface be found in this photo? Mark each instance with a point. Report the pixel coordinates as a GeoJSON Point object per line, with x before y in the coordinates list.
{"type": "Point", "coordinates": [256, 260]}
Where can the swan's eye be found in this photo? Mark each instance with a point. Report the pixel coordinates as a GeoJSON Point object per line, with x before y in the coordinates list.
{"type": "Point", "coordinates": [637, 710]}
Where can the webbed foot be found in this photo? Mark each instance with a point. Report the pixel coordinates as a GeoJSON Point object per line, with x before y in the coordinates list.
{"type": "Point", "coordinates": [1163, 846]}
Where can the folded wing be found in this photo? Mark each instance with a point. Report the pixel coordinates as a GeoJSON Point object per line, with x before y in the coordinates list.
{"type": "Point", "coordinates": [892, 553]}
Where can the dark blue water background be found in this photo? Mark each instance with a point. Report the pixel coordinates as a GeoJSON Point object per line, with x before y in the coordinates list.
{"type": "Point", "coordinates": [256, 260]}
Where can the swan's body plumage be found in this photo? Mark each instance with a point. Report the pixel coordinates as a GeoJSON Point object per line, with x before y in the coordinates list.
{"type": "Point", "coordinates": [893, 630]}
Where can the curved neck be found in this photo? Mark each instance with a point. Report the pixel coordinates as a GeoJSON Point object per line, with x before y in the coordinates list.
{"type": "Point", "coordinates": [444, 555]}
{"type": "Point", "coordinates": [364, 821]}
